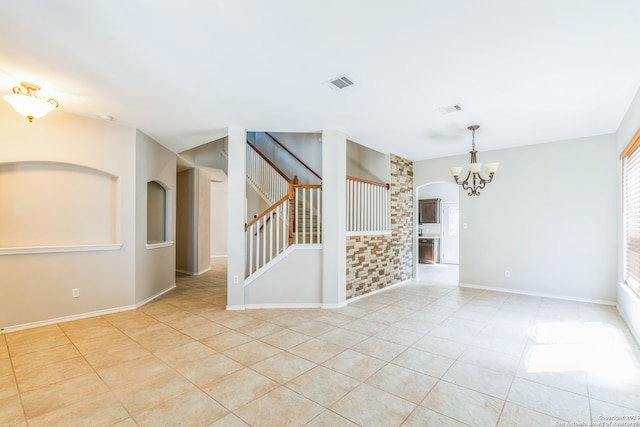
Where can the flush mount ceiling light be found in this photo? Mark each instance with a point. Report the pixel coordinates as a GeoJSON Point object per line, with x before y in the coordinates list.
{"type": "Point", "coordinates": [25, 101]}
{"type": "Point", "coordinates": [474, 182]}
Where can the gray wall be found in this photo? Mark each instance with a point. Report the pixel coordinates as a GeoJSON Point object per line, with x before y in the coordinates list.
{"type": "Point", "coordinates": [549, 218]}
{"type": "Point", "coordinates": [155, 268]}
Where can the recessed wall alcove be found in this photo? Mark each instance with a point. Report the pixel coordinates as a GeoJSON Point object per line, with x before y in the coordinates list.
{"type": "Point", "coordinates": [53, 206]}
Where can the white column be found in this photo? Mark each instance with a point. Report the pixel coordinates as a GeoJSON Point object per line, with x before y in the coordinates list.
{"type": "Point", "coordinates": [334, 219]}
{"type": "Point", "coordinates": [237, 138]}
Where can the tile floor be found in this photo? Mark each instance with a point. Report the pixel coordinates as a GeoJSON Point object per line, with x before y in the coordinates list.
{"type": "Point", "coordinates": [414, 355]}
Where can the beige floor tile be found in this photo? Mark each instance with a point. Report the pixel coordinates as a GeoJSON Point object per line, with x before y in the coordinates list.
{"type": "Point", "coordinates": [178, 356]}
{"type": "Point", "coordinates": [232, 320]}
{"type": "Point", "coordinates": [354, 364]}
{"type": "Point", "coordinates": [240, 388]}
{"type": "Point", "coordinates": [279, 407]}
{"type": "Point", "coordinates": [439, 346]}
{"type": "Point", "coordinates": [399, 336]}
{"type": "Point", "coordinates": [112, 356]}
{"type": "Point", "coordinates": [226, 340]}
{"type": "Point", "coordinates": [60, 394]}
{"type": "Point", "coordinates": [316, 350]}
{"type": "Point", "coordinates": [204, 330]}
{"type": "Point", "coordinates": [8, 386]}
{"type": "Point", "coordinates": [369, 406]}
{"type": "Point", "coordinates": [323, 385]}
{"type": "Point", "coordinates": [229, 420]}
{"type": "Point", "coordinates": [615, 391]}
{"type": "Point", "coordinates": [366, 327]}
{"type": "Point", "coordinates": [601, 410]}
{"type": "Point", "coordinates": [140, 396]}
{"type": "Point", "coordinates": [11, 410]}
{"type": "Point", "coordinates": [549, 400]}
{"type": "Point", "coordinates": [402, 382]}
{"type": "Point", "coordinates": [82, 333]}
{"type": "Point", "coordinates": [193, 408]}
{"type": "Point", "coordinates": [29, 379]}
{"type": "Point", "coordinates": [343, 337]}
{"type": "Point", "coordinates": [517, 416]}
{"type": "Point", "coordinates": [252, 352]}
{"type": "Point", "coordinates": [133, 371]}
{"type": "Point", "coordinates": [313, 328]}
{"type": "Point", "coordinates": [424, 362]}
{"type": "Point", "coordinates": [330, 419]}
{"type": "Point", "coordinates": [379, 349]}
{"type": "Point", "coordinates": [162, 339]}
{"type": "Point", "coordinates": [288, 320]}
{"type": "Point", "coordinates": [128, 422]}
{"type": "Point", "coordinates": [99, 410]}
{"type": "Point", "coordinates": [423, 417]}
{"type": "Point", "coordinates": [493, 360]}
{"type": "Point", "coordinates": [115, 339]}
{"type": "Point", "coordinates": [487, 352]}
{"type": "Point", "coordinates": [464, 405]}
{"type": "Point", "coordinates": [285, 339]}
{"type": "Point", "coordinates": [41, 340]}
{"type": "Point", "coordinates": [283, 367]}
{"type": "Point", "coordinates": [484, 380]}
{"type": "Point", "coordinates": [259, 329]}
{"type": "Point", "coordinates": [42, 358]}
{"type": "Point", "coordinates": [209, 369]}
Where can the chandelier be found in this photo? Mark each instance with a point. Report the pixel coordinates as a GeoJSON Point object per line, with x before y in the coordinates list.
{"type": "Point", "coordinates": [25, 101]}
{"type": "Point", "coordinates": [474, 182]}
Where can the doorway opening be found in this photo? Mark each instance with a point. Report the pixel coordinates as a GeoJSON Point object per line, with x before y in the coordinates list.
{"type": "Point", "coordinates": [438, 246]}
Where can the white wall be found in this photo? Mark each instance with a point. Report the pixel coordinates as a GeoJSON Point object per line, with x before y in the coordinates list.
{"type": "Point", "coordinates": [155, 268]}
{"type": "Point", "coordinates": [37, 287]}
{"type": "Point", "coordinates": [295, 280]}
{"type": "Point", "coordinates": [365, 163]}
{"type": "Point", "coordinates": [628, 302]}
{"type": "Point", "coordinates": [549, 218]}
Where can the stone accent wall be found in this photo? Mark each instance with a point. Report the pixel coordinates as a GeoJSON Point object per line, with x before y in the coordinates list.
{"type": "Point", "coordinates": [375, 262]}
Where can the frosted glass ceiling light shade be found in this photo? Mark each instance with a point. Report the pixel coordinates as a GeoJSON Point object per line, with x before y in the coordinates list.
{"type": "Point", "coordinates": [25, 101]}
{"type": "Point", "coordinates": [474, 182]}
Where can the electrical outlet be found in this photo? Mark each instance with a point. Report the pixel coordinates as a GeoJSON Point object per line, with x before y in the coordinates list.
{"type": "Point", "coordinates": [235, 279]}
{"type": "Point", "coordinates": [507, 273]}
{"type": "Point", "coordinates": [75, 292]}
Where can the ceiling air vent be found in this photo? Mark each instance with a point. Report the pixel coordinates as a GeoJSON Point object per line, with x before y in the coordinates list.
{"type": "Point", "coordinates": [340, 82]}
{"type": "Point", "coordinates": [450, 109]}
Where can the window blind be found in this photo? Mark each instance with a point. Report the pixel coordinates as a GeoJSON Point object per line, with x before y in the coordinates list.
{"type": "Point", "coordinates": [631, 170]}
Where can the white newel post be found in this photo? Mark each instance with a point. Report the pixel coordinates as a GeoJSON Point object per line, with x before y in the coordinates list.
{"type": "Point", "coordinates": [334, 219]}
{"type": "Point", "coordinates": [236, 258]}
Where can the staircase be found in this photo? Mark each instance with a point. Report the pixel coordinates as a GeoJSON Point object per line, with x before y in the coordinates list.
{"type": "Point", "coordinates": [293, 217]}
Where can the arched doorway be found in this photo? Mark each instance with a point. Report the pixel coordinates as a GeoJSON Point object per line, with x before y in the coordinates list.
{"type": "Point", "coordinates": [438, 240]}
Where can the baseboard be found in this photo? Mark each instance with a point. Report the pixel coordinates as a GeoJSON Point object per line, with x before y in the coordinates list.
{"type": "Point", "coordinates": [235, 307]}
{"type": "Point", "coordinates": [152, 297]}
{"type": "Point", "coordinates": [377, 291]}
{"type": "Point", "coordinates": [218, 256]}
{"type": "Point", "coordinates": [333, 306]}
{"type": "Point", "coordinates": [66, 319]}
{"type": "Point", "coordinates": [536, 294]}
{"type": "Point", "coordinates": [81, 316]}
{"type": "Point", "coordinates": [292, 305]}
{"type": "Point", "coordinates": [191, 273]}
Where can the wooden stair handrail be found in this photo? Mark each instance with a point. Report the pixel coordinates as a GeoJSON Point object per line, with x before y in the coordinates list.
{"type": "Point", "coordinates": [266, 212]}
{"type": "Point", "coordinates": [366, 181]}
{"type": "Point", "coordinates": [277, 169]}
{"type": "Point", "coordinates": [293, 155]}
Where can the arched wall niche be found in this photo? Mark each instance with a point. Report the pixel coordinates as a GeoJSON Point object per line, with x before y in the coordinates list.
{"type": "Point", "coordinates": [54, 205]}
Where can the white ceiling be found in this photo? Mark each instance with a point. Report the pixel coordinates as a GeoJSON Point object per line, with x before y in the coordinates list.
{"type": "Point", "coordinates": [182, 71]}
